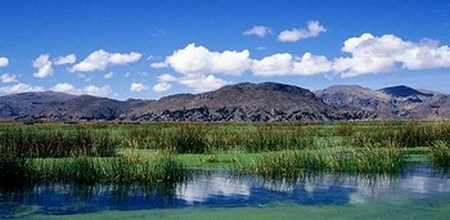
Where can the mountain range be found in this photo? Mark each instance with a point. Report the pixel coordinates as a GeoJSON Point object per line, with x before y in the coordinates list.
{"type": "Point", "coordinates": [243, 102]}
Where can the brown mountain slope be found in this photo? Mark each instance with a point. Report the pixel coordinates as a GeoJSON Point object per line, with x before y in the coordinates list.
{"type": "Point", "coordinates": [243, 102]}
{"type": "Point", "coordinates": [16, 105]}
{"type": "Point", "coordinates": [391, 103]}
{"type": "Point", "coordinates": [82, 107]}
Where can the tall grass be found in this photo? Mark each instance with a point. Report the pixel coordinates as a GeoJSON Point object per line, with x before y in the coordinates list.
{"type": "Point", "coordinates": [409, 134]}
{"type": "Point", "coordinates": [34, 142]}
{"type": "Point", "coordinates": [440, 155]}
{"type": "Point", "coordinates": [131, 169]}
{"type": "Point", "coordinates": [190, 139]}
{"type": "Point", "coordinates": [336, 160]}
{"type": "Point", "coordinates": [267, 138]}
{"type": "Point", "coordinates": [204, 138]}
{"type": "Point", "coordinates": [162, 167]}
{"type": "Point", "coordinates": [87, 153]}
{"type": "Point", "coordinates": [181, 138]}
{"type": "Point", "coordinates": [101, 140]}
{"type": "Point", "coordinates": [145, 136]}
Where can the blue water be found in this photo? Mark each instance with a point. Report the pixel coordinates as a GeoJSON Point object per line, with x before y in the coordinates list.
{"type": "Point", "coordinates": [221, 189]}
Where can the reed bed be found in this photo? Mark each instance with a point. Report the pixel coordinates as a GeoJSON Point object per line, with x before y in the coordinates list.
{"type": "Point", "coordinates": [144, 136]}
{"type": "Point", "coordinates": [42, 142]}
{"type": "Point", "coordinates": [407, 134]}
{"type": "Point", "coordinates": [440, 155]}
{"type": "Point", "coordinates": [333, 160]}
{"type": "Point", "coordinates": [123, 170]}
{"type": "Point", "coordinates": [190, 139]}
{"type": "Point", "coordinates": [102, 139]}
{"type": "Point", "coordinates": [202, 138]}
{"type": "Point", "coordinates": [87, 153]}
{"type": "Point", "coordinates": [264, 138]}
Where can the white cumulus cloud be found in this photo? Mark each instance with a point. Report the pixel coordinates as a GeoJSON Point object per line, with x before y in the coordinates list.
{"type": "Point", "coordinates": [200, 60]}
{"type": "Point", "coordinates": [257, 30]}
{"type": "Point", "coordinates": [202, 83]}
{"type": "Point", "coordinates": [162, 87]}
{"type": "Point", "coordinates": [100, 60]}
{"type": "Point", "coordinates": [197, 66]}
{"type": "Point", "coordinates": [138, 87]}
{"type": "Point", "coordinates": [8, 78]}
{"type": "Point", "coordinates": [63, 87]}
{"type": "Point", "coordinates": [165, 82]}
{"type": "Point", "coordinates": [159, 65]}
{"type": "Point", "coordinates": [20, 88]}
{"type": "Point", "coordinates": [285, 64]}
{"type": "Point", "coordinates": [97, 90]}
{"type": "Point", "coordinates": [277, 64]}
{"type": "Point", "coordinates": [103, 91]}
{"type": "Point", "coordinates": [367, 54]}
{"type": "Point", "coordinates": [4, 61]}
{"type": "Point", "coordinates": [371, 54]}
{"type": "Point", "coordinates": [296, 34]}
{"type": "Point", "coordinates": [68, 59]}
{"type": "Point", "coordinates": [167, 78]}
{"type": "Point", "coordinates": [43, 65]}
{"type": "Point", "coordinates": [310, 64]}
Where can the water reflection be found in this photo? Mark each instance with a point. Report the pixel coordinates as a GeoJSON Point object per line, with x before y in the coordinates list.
{"type": "Point", "coordinates": [206, 186]}
{"type": "Point", "coordinates": [220, 189]}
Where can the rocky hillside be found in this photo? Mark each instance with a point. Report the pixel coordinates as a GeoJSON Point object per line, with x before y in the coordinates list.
{"type": "Point", "coordinates": [391, 103]}
{"type": "Point", "coordinates": [82, 107]}
{"type": "Point", "coordinates": [18, 105]}
{"type": "Point", "coordinates": [244, 102]}
{"type": "Point", "coordinates": [240, 102]}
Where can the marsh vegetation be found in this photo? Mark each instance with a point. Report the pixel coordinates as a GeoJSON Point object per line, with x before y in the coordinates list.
{"type": "Point", "coordinates": [149, 153]}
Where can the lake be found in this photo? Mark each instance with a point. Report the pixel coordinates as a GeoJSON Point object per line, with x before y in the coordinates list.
{"type": "Point", "coordinates": [418, 188]}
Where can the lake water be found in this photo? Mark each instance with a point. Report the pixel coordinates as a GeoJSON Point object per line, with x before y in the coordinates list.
{"type": "Point", "coordinates": [217, 189]}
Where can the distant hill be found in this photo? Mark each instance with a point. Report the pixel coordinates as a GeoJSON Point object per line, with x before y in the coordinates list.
{"type": "Point", "coordinates": [243, 102]}
{"type": "Point", "coordinates": [391, 103]}
{"type": "Point", "coordinates": [354, 96]}
{"type": "Point", "coordinates": [82, 107]}
{"type": "Point", "coordinates": [17, 105]}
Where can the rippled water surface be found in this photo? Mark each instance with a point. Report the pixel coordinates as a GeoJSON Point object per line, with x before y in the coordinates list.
{"type": "Point", "coordinates": [220, 189]}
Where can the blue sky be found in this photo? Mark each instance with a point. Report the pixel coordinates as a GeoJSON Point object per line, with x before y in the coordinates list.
{"type": "Point", "coordinates": [148, 49]}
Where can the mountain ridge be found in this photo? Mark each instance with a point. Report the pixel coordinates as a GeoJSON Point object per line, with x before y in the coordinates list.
{"type": "Point", "coordinates": [242, 102]}
{"type": "Point", "coordinates": [391, 103]}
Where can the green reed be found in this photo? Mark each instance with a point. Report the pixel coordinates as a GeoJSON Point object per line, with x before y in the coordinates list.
{"type": "Point", "coordinates": [33, 142]}
{"type": "Point", "coordinates": [335, 160]}
{"type": "Point", "coordinates": [407, 134]}
{"type": "Point", "coordinates": [440, 154]}
{"type": "Point", "coordinates": [131, 169]}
